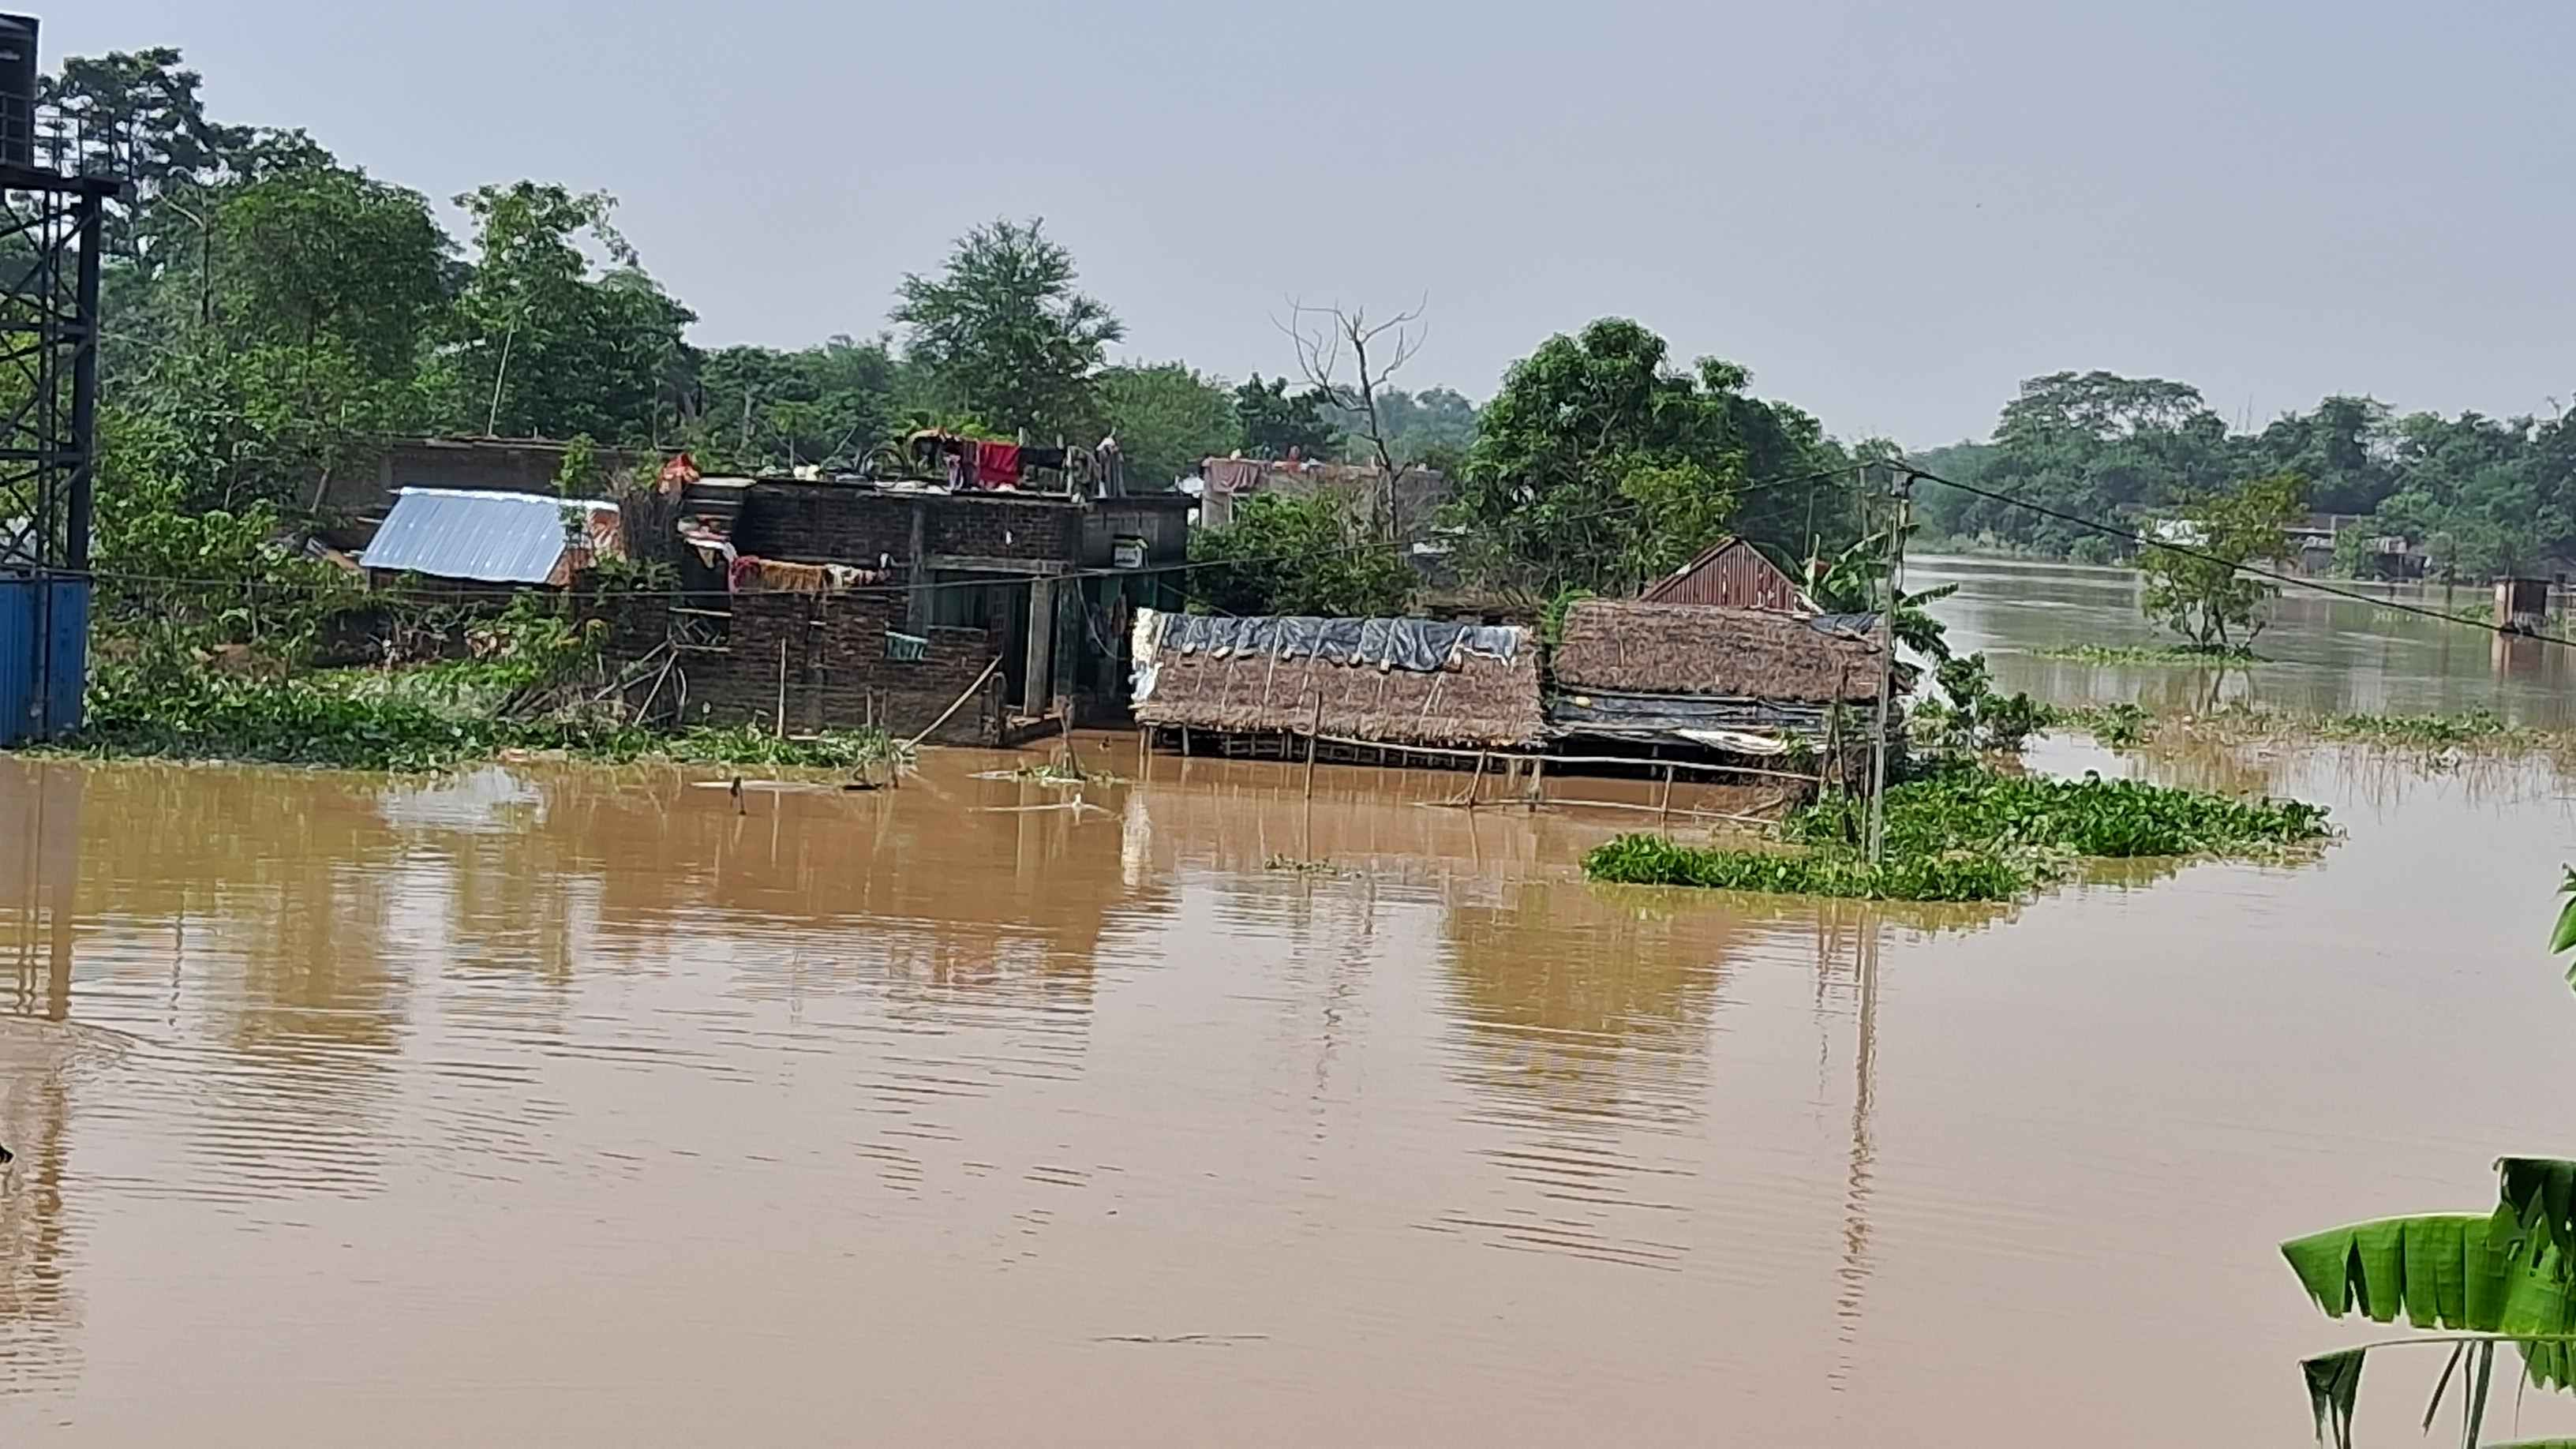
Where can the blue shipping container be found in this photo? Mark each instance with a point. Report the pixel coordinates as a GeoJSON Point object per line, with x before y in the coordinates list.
{"type": "Point", "coordinates": [44, 657]}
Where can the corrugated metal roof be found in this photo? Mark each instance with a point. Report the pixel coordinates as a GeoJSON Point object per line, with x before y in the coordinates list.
{"type": "Point", "coordinates": [497, 538]}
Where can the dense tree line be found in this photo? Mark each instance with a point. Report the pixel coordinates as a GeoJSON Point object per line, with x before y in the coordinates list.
{"type": "Point", "coordinates": [2484, 496]}
{"type": "Point", "coordinates": [274, 311]}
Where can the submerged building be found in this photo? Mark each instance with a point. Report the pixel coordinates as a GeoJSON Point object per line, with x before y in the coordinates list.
{"type": "Point", "coordinates": [847, 602]}
{"type": "Point", "coordinates": [1628, 681]}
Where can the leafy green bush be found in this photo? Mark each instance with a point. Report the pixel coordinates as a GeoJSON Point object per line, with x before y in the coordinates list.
{"type": "Point", "coordinates": [358, 721]}
{"type": "Point", "coordinates": [1965, 833]}
{"type": "Point", "coordinates": [1973, 716]}
{"type": "Point", "coordinates": [1654, 860]}
{"type": "Point", "coordinates": [1969, 808]}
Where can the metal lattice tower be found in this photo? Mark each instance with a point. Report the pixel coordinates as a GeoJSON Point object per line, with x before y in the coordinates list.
{"type": "Point", "coordinates": [51, 225]}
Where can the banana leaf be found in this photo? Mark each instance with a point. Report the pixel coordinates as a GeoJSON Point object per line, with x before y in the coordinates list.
{"type": "Point", "coordinates": [2334, 1382]}
{"type": "Point", "coordinates": [2449, 1271]}
{"type": "Point", "coordinates": [2541, 1194]}
{"type": "Point", "coordinates": [2563, 937]}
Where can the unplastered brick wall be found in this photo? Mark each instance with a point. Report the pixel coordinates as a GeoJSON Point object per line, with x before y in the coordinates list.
{"type": "Point", "coordinates": [832, 648]}
{"type": "Point", "coordinates": [991, 526]}
{"type": "Point", "coordinates": [842, 523]}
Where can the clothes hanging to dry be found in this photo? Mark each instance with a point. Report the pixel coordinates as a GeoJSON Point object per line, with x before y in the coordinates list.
{"type": "Point", "coordinates": [997, 464]}
{"type": "Point", "coordinates": [1235, 475]}
{"type": "Point", "coordinates": [751, 573]}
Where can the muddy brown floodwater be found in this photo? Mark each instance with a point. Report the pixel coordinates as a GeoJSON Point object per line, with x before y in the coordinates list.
{"type": "Point", "coordinates": [569, 1106]}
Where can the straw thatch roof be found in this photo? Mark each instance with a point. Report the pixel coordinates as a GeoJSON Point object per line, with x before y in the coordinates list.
{"type": "Point", "coordinates": [1704, 649]}
{"type": "Point", "coordinates": [1474, 698]}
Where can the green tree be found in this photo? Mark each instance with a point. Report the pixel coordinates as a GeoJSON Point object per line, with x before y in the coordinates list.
{"type": "Point", "coordinates": [2200, 590]}
{"type": "Point", "coordinates": [1599, 466]}
{"type": "Point", "coordinates": [546, 349]}
{"type": "Point", "coordinates": [1436, 421]}
{"type": "Point", "coordinates": [1003, 332]}
{"type": "Point", "coordinates": [2345, 447]}
{"type": "Point", "coordinates": [321, 255]}
{"type": "Point", "coordinates": [1298, 554]}
{"type": "Point", "coordinates": [1166, 418]}
{"type": "Point", "coordinates": [2094, 445]}
{"type": "Point", "coordinates": [757, 408]}
{"type": "Point", "coordinates": [164, 141]}
{"type": "Point", "coordinates": [1276, 423]}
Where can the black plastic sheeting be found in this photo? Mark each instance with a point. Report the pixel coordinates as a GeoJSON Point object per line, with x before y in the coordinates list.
{"type": "Point", "coordinates": [1418, 645]}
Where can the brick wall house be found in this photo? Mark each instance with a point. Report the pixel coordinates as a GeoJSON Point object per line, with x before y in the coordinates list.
{"type": "Point", "coordinates": [1044, 584]}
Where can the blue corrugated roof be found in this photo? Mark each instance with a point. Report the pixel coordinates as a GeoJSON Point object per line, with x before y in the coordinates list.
{"type": "Point", "coordinates": [497, 538]}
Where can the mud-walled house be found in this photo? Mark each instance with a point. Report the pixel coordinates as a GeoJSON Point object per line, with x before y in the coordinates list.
{"type": "Point", "coordinates": [1751, 683]}
{"type": "Point", "coordinates": [989, 613]}
{"type": "Point", "coordinates": [1397, 684]}
{"type": "Point", "coordinates": [1723, 694]}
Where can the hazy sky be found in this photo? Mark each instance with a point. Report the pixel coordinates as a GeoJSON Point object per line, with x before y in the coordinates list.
{"type": "Point", "coordinates": [1891, 212]}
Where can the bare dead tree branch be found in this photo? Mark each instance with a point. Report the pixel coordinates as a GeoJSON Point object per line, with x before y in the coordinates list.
{"type": "Point", "coordinates": [1377, 350]}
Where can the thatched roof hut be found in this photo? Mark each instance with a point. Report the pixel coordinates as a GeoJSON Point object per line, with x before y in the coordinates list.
{"type": "Point", "coordinates": [1700, 649]}
{"type": "Point", "coordinates": [1388, 681]}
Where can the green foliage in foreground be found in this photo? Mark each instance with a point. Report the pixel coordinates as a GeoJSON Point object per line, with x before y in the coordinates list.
{"type": "Point", "coordinates": [2506, 1276]}
{"type": "Point", "coordinates": [1971, 834]}
{"type": "Point", "coordinates": [348, 724]}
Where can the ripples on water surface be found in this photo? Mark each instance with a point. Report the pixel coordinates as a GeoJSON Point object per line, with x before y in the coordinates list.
{"type": "Point", "coordinates": [562, 1106]}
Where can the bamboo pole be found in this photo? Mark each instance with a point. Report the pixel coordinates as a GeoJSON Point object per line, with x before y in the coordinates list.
{"type": "Point", "coordinates": [1664, 802]}
{"type": "Point", "coordinates": [1476, 780]}
{"type": "Point", "coordinates": [960, 701]}
{"type": "Point", "coordinates": [1886, 684]}
{"type": "Point", "coordinates": [1312, 728]}
{"type": "Point", "coordinates": [782, 689]}
{"type": "Point", "coordinates": [1537, 782]}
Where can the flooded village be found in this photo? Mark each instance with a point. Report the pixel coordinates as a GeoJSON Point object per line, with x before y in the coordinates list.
{"type": "Point", "coordinates": [1302, 832]}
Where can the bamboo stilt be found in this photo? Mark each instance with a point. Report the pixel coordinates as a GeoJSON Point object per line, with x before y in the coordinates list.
{"type": "Point", "coordinates": [1313, 728]}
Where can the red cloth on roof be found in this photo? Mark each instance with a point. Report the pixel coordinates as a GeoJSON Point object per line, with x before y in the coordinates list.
{"type": "Point", "coordinates": [997, 464]}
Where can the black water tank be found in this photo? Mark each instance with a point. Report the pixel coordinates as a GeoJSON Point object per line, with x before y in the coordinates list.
{"type": "Point", "coordinates": [17, 90]}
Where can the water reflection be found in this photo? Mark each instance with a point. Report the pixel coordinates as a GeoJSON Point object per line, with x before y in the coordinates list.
{"type": "Point", "coordinates": [39, 1307]}
{"type": "Point", "coordinates": [493, 1092]}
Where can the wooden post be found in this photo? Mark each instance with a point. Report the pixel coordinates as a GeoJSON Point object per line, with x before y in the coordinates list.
{"type": "Point", "coordinates": [1886, 684]}
{"type": "Point", "coordinates": [1664, 801]}
{"type": "Point", "coordinates": [1144, 751]}
{"type": "Point", "coordinates": [1185, 742]}
{"type": "Point", "coordinates": [1537, 782]}
{"type": "Point", "coordinates": [782, 689]}
{"type": "Point", "coordinates": [1476, 781]}
{"type": "Point", "coordinates": [1313, 728]}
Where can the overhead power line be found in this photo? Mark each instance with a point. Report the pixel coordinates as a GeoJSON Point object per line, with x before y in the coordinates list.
{"type": "Point", "coordinates": [2141, 541]}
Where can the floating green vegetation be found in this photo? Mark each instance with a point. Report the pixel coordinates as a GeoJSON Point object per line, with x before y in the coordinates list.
{"type": "Point", "coordinates": [349, 722]}
{"type": "Point", "coordinates": [1967, 833]}
{"type": "Point", "coordinates": [1064, 773]}
{"type": "Point", "coordinates": [2124, 726]}
{"type": "Point", "coordinates": [1294, 866]}
{"type": "Point", "coordinates": [2151, 654]}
